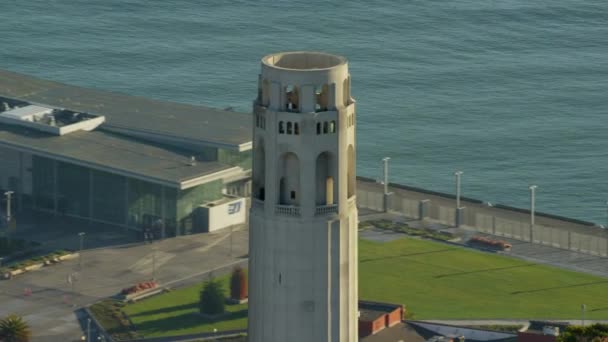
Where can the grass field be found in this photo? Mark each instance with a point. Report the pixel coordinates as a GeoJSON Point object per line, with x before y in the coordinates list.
{"type": "Point", "coordinates": [175, 313]}
{"type": "Point", "coordinates": [438, 281]}
{"type": "Point", "coordinates": [433, 280]}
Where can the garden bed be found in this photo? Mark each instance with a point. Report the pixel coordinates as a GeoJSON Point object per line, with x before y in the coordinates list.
{"type": "Point", "coordinates": [400, 227]}
{"type": "Point", "coordinates": [36, 263]}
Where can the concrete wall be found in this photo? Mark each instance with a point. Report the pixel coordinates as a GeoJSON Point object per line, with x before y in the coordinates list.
{"type": "Point", "coordinates": [223, 215]}
{"type": "Point", "coordinates": [500, 220]}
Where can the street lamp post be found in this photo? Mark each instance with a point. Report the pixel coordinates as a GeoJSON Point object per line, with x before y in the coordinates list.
{"type": "Point", "coordinates": [88, 329]}
{"type": "Point", "coordinates": [606, 214]}
{"type": "Point", "coordinates": [458, 174]}
{"type": "Point", "coordinates": [532, 208]}
{"type": "Point", "coordinates": [385, 182]}
{"type": "Point", "coordinates": [154, 264]}
{"type": "Point", "coordinates": [583, 308]}
{"type": "Point", "coordinates": [8, 205]}
{"type": "Point", "coordinates": [81, 235]}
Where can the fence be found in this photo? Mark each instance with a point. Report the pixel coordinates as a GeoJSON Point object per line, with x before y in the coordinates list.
{"type": "Point", "coordinates": [499, 220]}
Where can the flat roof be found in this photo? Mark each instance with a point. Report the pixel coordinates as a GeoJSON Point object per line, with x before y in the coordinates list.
{"type": "Point", "coordinates": [117, 154]}
{"type": "Point", "coordinates": [198, 124]}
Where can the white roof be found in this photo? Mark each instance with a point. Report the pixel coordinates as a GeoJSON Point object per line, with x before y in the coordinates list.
{"type": "Point", "coordinates": [27, 112]}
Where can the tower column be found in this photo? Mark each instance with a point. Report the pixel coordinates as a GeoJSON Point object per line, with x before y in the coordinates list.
{"type": "Point", "coordinates": [303, 239]}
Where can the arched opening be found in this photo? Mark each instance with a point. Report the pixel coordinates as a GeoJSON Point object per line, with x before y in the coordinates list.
{"type": "Point", "coordinates": [292, 99]}
{"type": "Point", "coordinates": [346, 91]}
{"type": "Point", "coordinates": [289, 184]}
{"type": "Point", "coordinates": [332, 127]}
{"type": "Point", "coordinates": [324, 180]}
{"type": "Point", "coordinates": [322, 98]}
{"type": "Point", "coordinates": [265, 93]}
{"type": "Point", "coordinates": [281, 128]}
{"type": "Point", "coordinates": [259, 170]}
{"type": "Point", "coordinates": [289, 129]}
{"type": "Point", "coordinates": [296, 128]}
{"type": "Point", "coordinates": [318, 128]}
{"type": "Point", "coordinates": [350, 171]}
{"type": "Point", "coordinates": [325, 127]}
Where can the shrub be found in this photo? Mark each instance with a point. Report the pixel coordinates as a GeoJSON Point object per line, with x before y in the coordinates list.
{"type": "Point", "coordinates": [238, 284]}
{"type": "Point", "coordinates": [212, 298]}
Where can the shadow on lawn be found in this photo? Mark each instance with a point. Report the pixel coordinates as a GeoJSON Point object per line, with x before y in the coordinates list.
{"type": "Point", "coordinates": [560, 287]}
{"type": "Point", "coordinates": [184, 321]}
{"type": "Point", "coordinates": [405, 255]}
{"type": "Point", "coordinates": [484, 270]}
{"type": "Point", "coordinates": [166, 309]}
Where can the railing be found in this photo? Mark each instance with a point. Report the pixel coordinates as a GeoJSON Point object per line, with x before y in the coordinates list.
{"type": "Point", "coordinates": [326, 209]}
{"type": "Point", "coordinates": [287, 210]}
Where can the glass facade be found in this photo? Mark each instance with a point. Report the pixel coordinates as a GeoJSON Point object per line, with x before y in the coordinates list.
{"type": "Point", "coordinates": [78, 191]}
{"type": "Point", "coordinates": [109, 197]}
{"type": "Point", "coordinates": [43, 183]}
{"type": "Point", "coordinates": [72, 189]}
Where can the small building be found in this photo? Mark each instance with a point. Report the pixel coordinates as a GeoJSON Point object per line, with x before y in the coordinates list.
{"type": "Point", "coordinates": [123, 160]}
{"type": "Point", "coordinates": [375, 316]}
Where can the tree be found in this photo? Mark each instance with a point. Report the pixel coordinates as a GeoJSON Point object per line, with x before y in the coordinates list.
{"type": "Point", "coordinates": [14, 329]}
{"type": "Point", "coordinates": [212, 298]}
{"type": "Point", "coordinates": [238, 284]}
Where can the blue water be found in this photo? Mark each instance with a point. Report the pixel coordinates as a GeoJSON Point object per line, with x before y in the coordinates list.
{"type": "Point", "coordinates": [512, 92]}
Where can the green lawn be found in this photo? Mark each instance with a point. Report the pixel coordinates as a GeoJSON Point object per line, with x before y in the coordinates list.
{"type": "Point", "coordinates": [433, 280]}
{"type": "Point", "coordinates": [437, 281]}
{"type": "Point", "coordinates": [175, 313]}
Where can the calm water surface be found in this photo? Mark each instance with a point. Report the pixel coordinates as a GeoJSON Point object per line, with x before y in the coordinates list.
{"type": "Point", "coordinates": [512, 92]}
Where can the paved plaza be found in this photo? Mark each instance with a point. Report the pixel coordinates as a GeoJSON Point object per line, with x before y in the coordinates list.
{"type": "Point", "coordinates": [52, 307]}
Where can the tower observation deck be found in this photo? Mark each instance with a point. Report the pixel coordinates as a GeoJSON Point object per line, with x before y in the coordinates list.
{"type": "Point", "coordinates": [303, 222]}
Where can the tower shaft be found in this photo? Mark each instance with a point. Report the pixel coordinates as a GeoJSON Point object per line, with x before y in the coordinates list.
{"type": "Point", "coordinates": [303, 222]}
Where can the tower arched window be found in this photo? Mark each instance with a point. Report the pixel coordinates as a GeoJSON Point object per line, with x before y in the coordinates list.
{"type": "Point", "coordinates": [281, 128]}
{"type": "Point", "coordinates": [289, 130]}
{"type": "Point", "coordinates": [325, 127]}
{"type": "Point", "coordinates": [332, 127]}
{"type": "Point", "coordinates": [296, 128]}
{"type": "Point", "coordinates": [318, 128]}
{"type": "Point", "coordinates": [292, 99]}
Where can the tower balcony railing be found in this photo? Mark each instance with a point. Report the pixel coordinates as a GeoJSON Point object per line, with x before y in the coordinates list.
{"type": "Point", "coordinates": [326, 209]}
{"type": "Point", "coordinates": [287, 210]}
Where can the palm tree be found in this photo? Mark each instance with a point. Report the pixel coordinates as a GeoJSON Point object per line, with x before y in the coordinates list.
{"type": "Point", "coordinates": [14, 329]}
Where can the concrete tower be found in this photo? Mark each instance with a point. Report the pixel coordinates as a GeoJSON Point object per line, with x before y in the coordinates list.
{"type": "Point", "coordinates": [303, 222]}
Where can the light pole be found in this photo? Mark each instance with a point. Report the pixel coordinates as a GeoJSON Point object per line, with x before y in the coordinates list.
{"type": "Point", "coordinates": [8, 205]}
{"type": "Point", "coordinates": [583, 308]}
{"type": "Point", "coordinates": [458, 174]}
{"type": "Point", "coordinates": [231, 227]}
{"type": "Point", "coordinates": [81, 235]}
{"type": "Point", "coordinates": [153, 263]}
{"type": "Point", "coordinates": [532, 208]}
{"type": "Point", "coordinates": [606, 214]}
{"type": "Point", "coordinates": [88, 329]}
{"type": "Point", "coordinates": [385, 182]}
